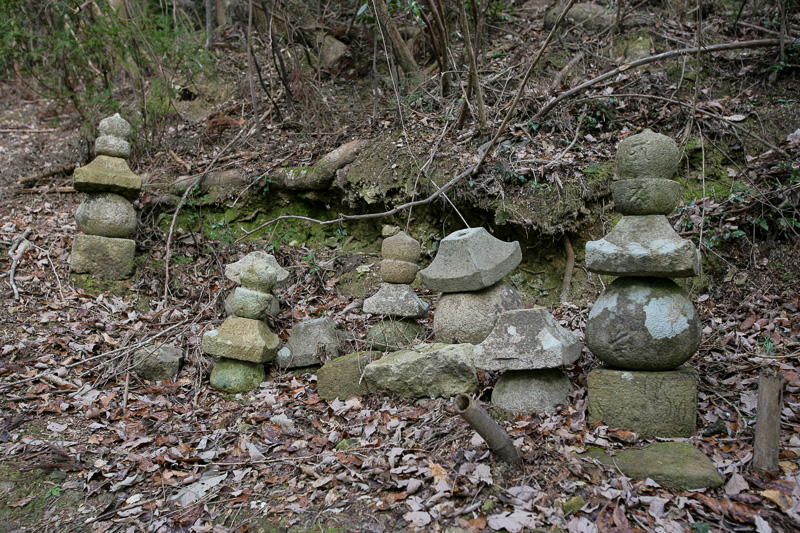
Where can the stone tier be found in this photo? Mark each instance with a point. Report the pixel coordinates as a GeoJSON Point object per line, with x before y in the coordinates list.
{"type": "Point", "coordinates": [242, 339]}
{"type": "Point", "coordinates": [103, 257]}
{"type": "Point", "coordinates": [396, 300]}
{"type": "Point", "coordinates": [108, 174]}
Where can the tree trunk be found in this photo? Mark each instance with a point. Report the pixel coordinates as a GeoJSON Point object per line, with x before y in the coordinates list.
{"type": "Point", "coordinates": [404, 56]}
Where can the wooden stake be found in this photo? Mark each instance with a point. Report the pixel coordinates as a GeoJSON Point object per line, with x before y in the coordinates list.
{"type": "Point", "coordinates": [768, 421]}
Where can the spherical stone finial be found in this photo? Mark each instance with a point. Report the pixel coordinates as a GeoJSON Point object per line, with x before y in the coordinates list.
{"type": "Point", "coordinates": [112, 147]}
{"type": "Point", "coordinates": [115, 126]}
{"type": "Point", "coordinates": [647, 155]}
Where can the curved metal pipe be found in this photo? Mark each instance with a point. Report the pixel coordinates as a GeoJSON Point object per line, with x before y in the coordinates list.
{"type": "Point", "coordinates": [482, 422]}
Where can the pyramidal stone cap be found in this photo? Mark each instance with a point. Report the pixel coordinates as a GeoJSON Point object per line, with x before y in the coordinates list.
{"type": "Point", "coordinates": [470, 260]}
{"type": "Point", "coordinates": [107, 174]}
{"type": "Point", "coordinates": [245, 271]}
{"type": "Point", "coordinates": [647, 155]}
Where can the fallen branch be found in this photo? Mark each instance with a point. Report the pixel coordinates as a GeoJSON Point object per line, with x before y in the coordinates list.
{"type": "Point", "coordinates": [66, 169]}
{"type": "Point", "coordinates": [44, 190]}
{"type": "Point", "coordinates": [18, 248]}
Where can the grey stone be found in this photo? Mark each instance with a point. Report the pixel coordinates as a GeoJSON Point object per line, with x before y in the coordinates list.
{"type": "Point", "coordinates": [425, 371]}
{"type": "Point", "coordinates": [643, 246]}
{"type": "Point", "coordinates": [243, 339]}
{"type": "Point", "coordinates": [331, 50]}
{"type": "Point", "coordinates": [103, 257]}
{"type": "Point", "coordinates": [470, 260]}
{"type": "Point", "coordinates": [116, 126]}
{"type": "Point", "coordinates": [311, 343]}
{"type": "Point", "coordinates": [526, 339]}
{"type": "Point", "coordinates": [470, 316]}
{"type": "Point", "coordinates": [342, 377]}
{"type": "Point", "coordinates": [647, 155]}
{"type": "Point", "coordinates": [676, 466]}
{"type": "Point", "coordinates": [234, 376]}
{"type": "Point", "coordinates": [652, 404]}
{"type": "Point", "coordinates": [643, 324]}
{"type": "Point", "coordinates": [531, 391]}
{"type": "Point", "coordinates": [646, 196]}
{"type": "Point", "coordinates": [229, 305]}
{"type": "Point", "coordinates": [394, 271]}
{"type": "Point", "coordinates": [157, 362]}
{"type": "Point", "coordinates": [401, 247]}
{"type": "Point", "coordinates": [592, 17]}
{"type": "Point", "coordinates": [107, 174]}
{"type": "Point", "coordinates": [257, 305]}
{"type": "Point", "coordinates": [112, 147]}
{"type": "Point", "coordinates": [260, 268]}
{"type": "Point", "coordinates": [106, 214]}
{"type": "Point", "coordinates": [394, 299]}
{"type": "Point", "coordinates": [395, 334]}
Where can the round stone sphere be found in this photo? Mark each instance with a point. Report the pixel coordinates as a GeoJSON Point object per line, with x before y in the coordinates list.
{"type": "Point", "coordinates": [643, 324]}
{"type": "Point", "coordinates": [112, 147]}
{"type": "Point", "coordinates": [647, 155]}
{"type": "Point", "coordinates": [646, 196]}
{"type": "Point", "coordinates": [401, 247]}
{"type": "Point", "coordinates": [394, 271]}
{"type": "Point", "coordinates": [116, 126]}
{"type": "Point", "coordinates": [470, 316]}
{"type": "Point", "coordinates": [107, 215]}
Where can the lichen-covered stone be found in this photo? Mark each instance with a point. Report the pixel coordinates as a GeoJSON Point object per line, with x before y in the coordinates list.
{"type": "Point", "coordinates": [397, 300]}
{"type": "Point", "coordinates": [592, 17]}
{"type": "Point", "coordinates": [401, 247]}
{"type": "Point", "coordinates": [652, 404]}
{"type": "Point", "coordinates": [243, 339]}
{"type": "Point", "coordinates": [643, 246]}
{"type": "Point", "coordinates": [103, 257]}
{"type": "Point", "coordinates": [526, 339]}
{"type": "Point", "coordinates": [312, 342]}
{"type": "Point", "coordinates": [107, 174]}
{"type": "Point", "coordinates": [531, 391]}
{"type": "Point", "coordinates": [116, 126]}
{"type": "Point", "coordinates": [157, 362]}
{"type": "Point", "coordinates": [676, 466]}
{"type": "Point", "coordinates": [342, 377]}
{"type": "Point", "coordinates": [470, 316]}
{"type": "Point", "coordinates": [646, 196]}
{"type": "Point", "coordinates": [111, 146]}
{"type": "Point", "coordinates": [643, 324]}
{"type": "Point", "coordinates": [426, 371]}
{"type": "Point", "coordinates": [647, 155]}
{"type": "Point", "coordinates": [257, 305]}
{"type": "Point", "coordinates": [394, 271]}
{"type": "Point", "coordinates": [470, 260]}
{"type": "Point", "coordinates": [107, 215]}
{"type": "Point", "coordinates": [391, 334]}
{"type": "Point", "coordinates": [234, 376]}
{"type": "Point", "coordinates": [261, 272]}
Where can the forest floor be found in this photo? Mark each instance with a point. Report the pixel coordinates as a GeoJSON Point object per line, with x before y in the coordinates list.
{"type": "Point", "coordinates": [86, 446]}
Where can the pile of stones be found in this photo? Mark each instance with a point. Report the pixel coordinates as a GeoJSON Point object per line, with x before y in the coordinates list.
{"type": "Point", "coordinates": [468, 270]}
{"type": "Point", "coordinates": [244, 342]}
{"type": "Point", "coordinates": [106, 216]}
{"type": "Point", "coordinates": [396, 299]}
{"type": "Point", "coordinates": [643, 326]}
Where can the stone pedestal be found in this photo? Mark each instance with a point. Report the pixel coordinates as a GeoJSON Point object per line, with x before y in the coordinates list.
{"type": "Point", "coordinates": [103, 257]}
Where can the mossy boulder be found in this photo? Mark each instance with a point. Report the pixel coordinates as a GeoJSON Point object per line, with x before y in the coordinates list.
{"type": "Point", "coordinates": [232, 376]}
{"type": "Point", "coordinates": [342, 377]}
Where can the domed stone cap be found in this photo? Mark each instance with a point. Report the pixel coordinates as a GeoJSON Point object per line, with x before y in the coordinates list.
{"type": "Point", "coordinates": [401, 247]}
{"type": "Point", "coordinates": [107, 215]}
{"type": "Point", "coordinates": [470, 260]}
{"type": "Point", "coordinates": [115, 126]}
{"type": "Point", "coordinates": [647, 155]}
{"type": "Point", "coordinates": [643, 324]}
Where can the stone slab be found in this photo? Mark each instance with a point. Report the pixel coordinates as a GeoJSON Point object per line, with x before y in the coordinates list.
{"type": "Point", "coordinates": [425, 371]}
{"type": "Point", "coordinates": [103, 257]}
{"type": "Point", "coordinates": [242, 339]}
{"type": "Point", "coordinates": [396, 300]}
{"type": "Point", "coordinates": [646, 196]}
{"type": "Point", "coordinates": [676, 466]}
{"type": "Point", "coordinates": [470, 316]}
{"type": "Point", "coordinates": [261, 272]}
{"type": "Point", "coordinates": [531, 391]}
{"type": "Point", "coordinates": [157, 362]}
{"type": "Point", "coordinates": [470, 260]}
{"type": "Point", "coordinates": [107, 174]}
{"type": "Point", "coordinates": [106, 214]}
{"type": "Point", "coordinates": [652, 404]}
{"type": "Point", "coordinates": [257, 305]}
{"type": "Point", "coordinates": [312, 342]}
{"type": "Point", "coordinates": [234, 376]}
{"type": "Point", "coordinates": [643, 246]}
{"type": "Point", "coordinates": [527, 339]}
{"type": "Point", "coordinates": [342, 377]}
{"type": "Point", "coordinates": [647, 155]}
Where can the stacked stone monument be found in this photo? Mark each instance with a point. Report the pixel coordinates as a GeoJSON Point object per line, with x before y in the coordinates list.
{"type": "Point", "coordinates": [106, 216]}
{"type": "Point", "coordinates": [468, 270]}
{"type": "Point", "coordinates": [643, 327]}
{"type": "Point", "coordinates": [396, 299]}
{"type": "Point", "coordinates": [244, 341]}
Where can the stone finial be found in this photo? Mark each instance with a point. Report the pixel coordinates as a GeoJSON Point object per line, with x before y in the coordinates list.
{"type": "Point", "coordinates": [470, 260]}
{"type": "Point", "coordinates": [115, 126]}
{"type": "Point", "coordinates": [401, 247]}
{"type": "Point", "coordinates": [647, 155]}
{"type": "Point", "coordinates": [260, 268]}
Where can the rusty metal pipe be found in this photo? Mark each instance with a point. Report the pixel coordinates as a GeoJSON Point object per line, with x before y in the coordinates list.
{"type": "Point", "coordinates": [482, 422]}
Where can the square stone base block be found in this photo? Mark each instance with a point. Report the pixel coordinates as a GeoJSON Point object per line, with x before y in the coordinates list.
{"type": "Point", "coordinates": [103, 257]}
{"type": "Point", "coordinates": [652, 404]}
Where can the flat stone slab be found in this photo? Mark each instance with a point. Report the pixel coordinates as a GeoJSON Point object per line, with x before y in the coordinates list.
{"type": "Point", "coordinates": [646, 196]}
{"type": "Point", "coordinates": [398, 300]}
{"type": "Point", "coordinates": [257, 305]}
{"type": "Point", "coordinates": [643, 246]}
{"type": "Point", "coordinates": [470, 260]}
{"type": "Point", "coordinates": [257, 271]}
{"type": "Point", "coordinates": [399, 334]}
{"type": "Point", "coordinates": [643, 324]}
{"type": "Point", "coordinates": [312, 342]}
{"type": "Point", "coordinates": [527, 339]}
{"type": "Point", "coordinates": [647, 155]}
{"type": "Point", "coordinates": [342, 377]}
{"type": "Point", "coordinates": [531, 391]}
{"type": "Point", "coordinates": [107, 174]}
{"type": "Point", "coordinates": [234, 376]}
{"type": "Point", "coordinates": [242, 339]}
{"type": "Point", "coordinates": [470, 316]}
{"type": "Point", "coordinates": [157, 362]}
{"type": "Point", "coordinates": [675, 466]}
{"type": "Point", "coordinates": [103, 257]}
{"type": "Point", "coordinates": [425, 371]}
{"type": "Point", "coordinates": [106, 214]}
{"type": "Point", "coordinates": [652, 404]}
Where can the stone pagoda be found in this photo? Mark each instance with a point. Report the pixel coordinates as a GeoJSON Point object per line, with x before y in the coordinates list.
{"type": "Point", "coordinates": [643, 327]}
{"type": "Point", "coordinates": [106, 216]}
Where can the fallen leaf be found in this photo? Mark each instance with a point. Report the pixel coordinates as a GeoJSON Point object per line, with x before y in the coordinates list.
{"type": "Point", "coordinates": [418, 518]}
{"type": "Point", "coordinates": [437, 472]}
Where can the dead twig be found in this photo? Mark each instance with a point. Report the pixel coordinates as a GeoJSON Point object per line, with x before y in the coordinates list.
{"type": "Point", "coordinates": [66, 169]}
{"type": "Point", "coordinates": [18, 247]}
